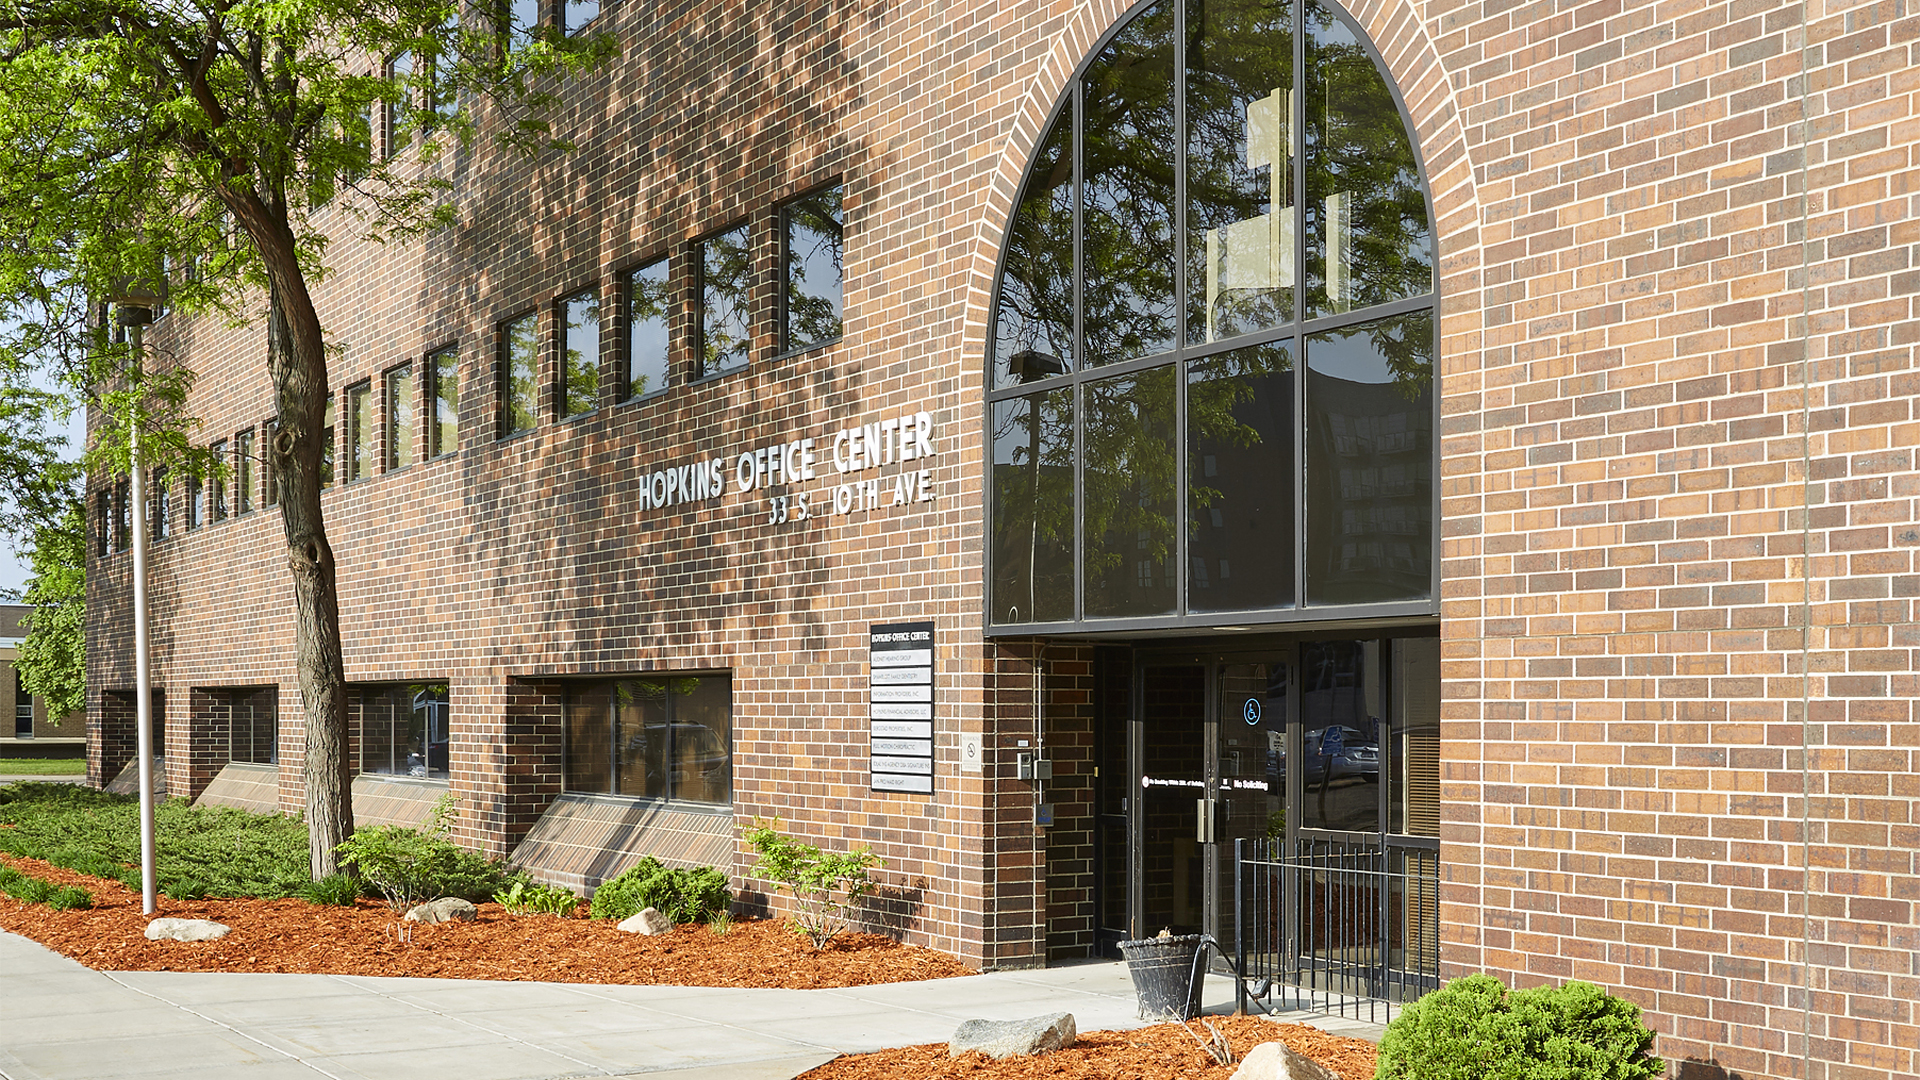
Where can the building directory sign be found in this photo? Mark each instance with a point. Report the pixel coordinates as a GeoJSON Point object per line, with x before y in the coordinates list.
{"type": "Point", "coordinates": [900, 706]}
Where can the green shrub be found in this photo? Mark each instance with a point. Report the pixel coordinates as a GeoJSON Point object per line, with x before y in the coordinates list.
{"type": "Point", "coordinates": [184, 888]}
{"type": "Point", "coordinates": [412, 866]}
{"type": "Point", "coordinates": [69, 897]}
{"type": "Point", "coordinates": [528, 897]}
{"type": "Point", "coordinates": [88, 862]}
{"type": "Point", "coordinates": [1475, 1029]}
{"type": "Point", "coordinates": [685, 896]}
{"type": "Point", "coordinates": [813, 877]}
{"type": "Point", "coordinates": [35, 891]}
{"type": "Point", "coordinates": [339, 890]}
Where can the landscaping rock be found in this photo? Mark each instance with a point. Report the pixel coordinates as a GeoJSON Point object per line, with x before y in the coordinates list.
{"type": "Point", "coordinates": [185, 930]}
{"type": "Point", "coordinates": [1006, 1038]}
{"type": "Point", "coordinates": [1274, 1061]}
{"type": "Point", "coordinates": [445, 909]}
{"type": "Point", "coordinates": [648, 921]}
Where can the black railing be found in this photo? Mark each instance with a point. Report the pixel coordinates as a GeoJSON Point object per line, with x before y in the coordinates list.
{"type": "Point", "coordinates": [1336, 927]}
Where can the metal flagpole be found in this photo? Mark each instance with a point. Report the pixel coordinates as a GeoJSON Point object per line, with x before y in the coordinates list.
{"type": "Point", "coordinates": [135, 318]}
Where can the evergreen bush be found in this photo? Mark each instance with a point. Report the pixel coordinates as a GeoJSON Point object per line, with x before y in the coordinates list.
{"type": "Point", "coordinates": [685, 896]}
{"type": "Point", "coordinates": [412, 866]}
{"type": "Point", "coordinates": [1474, 1028]}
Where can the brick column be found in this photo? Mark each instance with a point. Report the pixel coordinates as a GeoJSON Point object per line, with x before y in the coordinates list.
{"type": "Point", "coordinates": [111, 739]}
{"type": "Point", "coordinates": [204, 746]}
{"type": "Point", "coordinates": [1014, 848]}
{"type": "Point", "coordinates": [505, 756]}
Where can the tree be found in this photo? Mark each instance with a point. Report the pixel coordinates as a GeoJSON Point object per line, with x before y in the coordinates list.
{"type": "Point", "coordinates": [40, 501]}
{"type": "Point", "coordinates": [192, 143]}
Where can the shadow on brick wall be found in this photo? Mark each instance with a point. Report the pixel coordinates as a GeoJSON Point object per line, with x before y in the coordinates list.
{"type": "Point", "coordinates": [1696, 1069]}
{"type": "Point", "coordinates": [893, 910]}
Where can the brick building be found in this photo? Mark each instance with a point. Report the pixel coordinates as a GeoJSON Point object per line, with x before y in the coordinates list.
{"type": "Point", "coordinates": [31, 731]}
{"type": "Point", "coordinates": [1478, 434]}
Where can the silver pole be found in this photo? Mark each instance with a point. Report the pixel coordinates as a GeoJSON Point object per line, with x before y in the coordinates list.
{"type": "Point", "coordinates": [142, 660]}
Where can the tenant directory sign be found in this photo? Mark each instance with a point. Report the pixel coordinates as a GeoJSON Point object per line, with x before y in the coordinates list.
{"type": "Point", "coordinates": [900, 706]}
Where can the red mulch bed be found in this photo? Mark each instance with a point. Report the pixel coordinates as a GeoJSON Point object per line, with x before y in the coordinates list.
{"type": "Point", "coordinates": [369, 939]}
{"type": "Point", "coordinates": [1161, 1052]}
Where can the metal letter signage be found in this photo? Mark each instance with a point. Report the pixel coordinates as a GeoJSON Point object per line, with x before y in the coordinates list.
{"type": "Point", "coordinates": [900, 706]}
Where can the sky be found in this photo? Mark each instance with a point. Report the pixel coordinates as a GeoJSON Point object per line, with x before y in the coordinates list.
{"type": "Point", "coordinates": [13, 568]}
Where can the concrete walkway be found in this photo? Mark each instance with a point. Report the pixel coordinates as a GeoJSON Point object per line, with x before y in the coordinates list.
{"type": "Point", "coordinates": [62, 1021]}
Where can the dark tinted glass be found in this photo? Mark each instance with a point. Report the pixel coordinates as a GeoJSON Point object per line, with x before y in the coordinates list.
{"type": "Point", "coordinates": [813, 243]}
{"type": "Point", "coordinates": [1368, 239]}
{"type": "Point", "coordinates": [589, 712]}
{"type": "Point", "coordinates": [647, 329]}
{"type": "Point", "coordinates": [700, 755]}
{"type": "Point", "coordinates": [582, 357]}
{"type": "Point", "coordinates": [1413, 804]}
{"type": "Point", "coordinates": [1128, 151]}
{"type": "Point", "coordinates": [1240, 212]}
{"type": "Point", "coordinates": [640, 738]}
{"type": "Point", "coordinates": [1130, 487]}
{"type": "Point", "coordinates": [1340, 709]}
{"type": "Point", "coordinates": [218, 484]}
{"type": "Point", "coordinates": [1369, 469]}
{"type": "Point", "coordinates": [726, 274]}
{"type": "Point", "coordinates": [253, 726]}
{"type": "Point", "coordinates": [1241, 480]}
{"type": "Point", "coordinates": [1034, 317]}
{"type": "Point", "coordinates": [1033, 508]}
{"type": "Point", "coordinates": [326, 444]}
{"type": "Point", "coordinates": [519, 374]}
{"type": "Point", "coordinates": [243, 472]}
{"type": "Point", "coordinates": [359, 435]}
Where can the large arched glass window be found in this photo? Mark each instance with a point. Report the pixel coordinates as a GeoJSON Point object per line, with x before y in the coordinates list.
{"type": "Point", "coordinates": [1211, 385]}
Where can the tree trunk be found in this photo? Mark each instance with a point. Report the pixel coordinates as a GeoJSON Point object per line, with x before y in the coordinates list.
{"type": "Point", "coordinates": [297, 360]}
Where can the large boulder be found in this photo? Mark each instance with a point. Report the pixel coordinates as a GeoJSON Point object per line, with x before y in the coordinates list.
{"type": "Point", "coordinates": [646, 921]}
{"type": "Point", "coordinates": [1006, 1038]}
{"type": "Point", "coordinates": [445, 909]}
{"type": "Point", "coordinates": [185, 930]}
{"type": "Point", "coordinates": [1276, 1061]}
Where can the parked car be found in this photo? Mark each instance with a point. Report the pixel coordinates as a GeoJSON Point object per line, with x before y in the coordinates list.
{"type": "Point", "coordinates": [1347, 754]}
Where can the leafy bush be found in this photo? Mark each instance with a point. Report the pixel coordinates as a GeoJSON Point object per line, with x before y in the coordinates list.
{"type": "Point", "coordinates": [1475, 1029]}
{"type": "Point", "coordinates": [35, 891]}
{"type": "Point", "coordinates": [339, 890]}
{"type": "Point", "coordinates": [230, 852]}
{"type": "Point", "coordinates": [185, 888]}
{"type": "Point", "coordinates": [813, 877]}
{"type": "Point", "coordinates": [69, 897]}
{"type": "Point", "coordinates": [412, 866]}
{"type": "Point", "coordinates": [528, 897]}
{"type": "Point", "coordinates": [685, 896]}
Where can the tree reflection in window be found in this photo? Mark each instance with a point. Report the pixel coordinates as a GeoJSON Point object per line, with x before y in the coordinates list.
{"type": "Point", "coordinates": [1035, 309]}
{"type": "Point", "coordinates": [726, 274]}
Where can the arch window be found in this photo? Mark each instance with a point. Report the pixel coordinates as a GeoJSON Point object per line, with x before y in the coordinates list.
{"type": "Point", "coordinates": [1211, 355]}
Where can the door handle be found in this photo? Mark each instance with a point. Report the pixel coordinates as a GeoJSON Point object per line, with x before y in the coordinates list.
{"type": "Point", "coordinates": [1203, 827]}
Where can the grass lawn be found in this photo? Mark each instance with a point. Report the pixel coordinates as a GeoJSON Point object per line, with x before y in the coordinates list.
{"type": "Point", "coordinates": [27, 766]}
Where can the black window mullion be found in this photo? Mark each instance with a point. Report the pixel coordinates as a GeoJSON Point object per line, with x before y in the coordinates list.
{"type": "Point", "coordinates": [1181, 210]}
{"type": "Point", "coordinates": [1297, 149]}
{"type": "Point", "coordinates": [667, 749]}
{"type": "Point", "coordinates": [1078, 365]}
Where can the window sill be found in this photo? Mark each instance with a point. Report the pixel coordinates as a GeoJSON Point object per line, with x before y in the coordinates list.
{"type": "Point", "coordinates": [818, 346]}
{"type": "Point", "coordinates": [676, 805]}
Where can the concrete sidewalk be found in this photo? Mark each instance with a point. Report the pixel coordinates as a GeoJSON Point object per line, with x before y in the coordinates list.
{"type": "Point", "coordinates": [62, 1021]}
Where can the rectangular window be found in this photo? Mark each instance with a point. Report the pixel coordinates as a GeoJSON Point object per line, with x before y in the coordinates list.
{"type": "Point", "coordinates": [359, 431]}
{"type": "Point", "coordinates": [443, 368]}
{"type": "Point", "coordinates": [578, 13]}
{"type": "Point", "coordinates": [811, 243]}
{"type": "Point", "coordinates": [196, 500]}
{"type": "Point", "coordinates": [326, 445]}
{"type": "Point", "coordinates": [657, 736]}
{"type": "Point", "coordinates": [403, 729]}
{"type": "Point", "coordinates": [122, 523]}
{"type": "Point", "coordinates": [725, 329]}
{"type": "Point", "coordinates": [399, 69]}
{"type": "Point", "coordinates": [647, 292]}
{"type": "Point", "coordinates": [243, 472]}
{"type": "Point", "coordinates": [580, 362]}
{"type": "Point", "coordinates": [22, 707]}
{"type": "Point", "coordinates": [217, 508]}
{"type": "Point", "coordinates": [399, 383]}
{"type": "Point", "coordinates": [253, 726]}
{"type": "Point", "coordinates": [103, 523]}
{"type": "Point", "coordinates": [160, 506]}
{"type": "Point", "coordinates": [519, 374]}
{"type": "Point", "coordinates": [270, 491]}
{"type": "Point", "coordinates": [522, 19]}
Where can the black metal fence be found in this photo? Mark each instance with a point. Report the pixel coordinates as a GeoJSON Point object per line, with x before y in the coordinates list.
{"type": "Point", "coordinates": [1336, 927]}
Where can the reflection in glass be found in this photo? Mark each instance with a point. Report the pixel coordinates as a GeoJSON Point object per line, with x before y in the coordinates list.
{"type": "Point", "coordinates": [218, 483]}
{"type": "Point", "coordinates": [580, 384]}
{"type": "Point", "coordinates": [576, 14]}
{"type": "Point", "coordinates": [326, 444]}
{"type": "Point", "coordinates": [813, 242]}
{"type": "Point", "coordinates": [647, 329]}
{"type": "Point", "coordinates": [700, 754]}
{"type": "Point", "coordinates": [404, 730]}
{"type": "Point", "coordinates": [725, 330]}
{"type": "Point", "coordinates": [253, 726]}
{"type": "Point", "coordinates": [1413, 804]}
{"type": "Point", "coordinates": [1240, 473]}
{"type": "Point", "coordinates": [640, 736]}
{"type": "Point", "coordinates": [589, 720]}
{"type": "Point", "coordinates": [1340, 709]}
{"type": "Point", "coordinates": [400, 417]}
{"type": "Point", "coordinates": [666, 737]}
{"type": "Point", "coordinates": [1368, 238]}
{"type": "Point", "coordinates": [1033, 508]}
{"type": "Point", "coordinates": [1130, 485]}
{"type": "Point", "coordinates": [359, 438]}
{"type": "Point", "coordinates": [1252, 758]}
{"type": "Point", "coordinates": [519, 374]}
{"type": "Point", "coordinates": [1035, 310]}
{"type": "Point", "coordinates": [1369, 474]}
{"type": "Point", "coordinates": [1128, 150]}
{"type": "Point", "coordinates": [1240, 212]}
{"type": "Point", "coordinates": [444, 370]}
{"type": "Point", "coordinates": [243, 471]}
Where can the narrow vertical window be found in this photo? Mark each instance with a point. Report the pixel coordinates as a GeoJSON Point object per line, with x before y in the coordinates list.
{"type": "Point", "coordinates": [519, 374]}
{"type": "Point", "coordinates": [522, 19]}
{"type": "Point", "coordinates": [580, 357]}
{"type": "Point", "coordinates": [578, 13]}
{"type": "Point", "coordinates": [103, 523]}
{"type": "Point", "coordinates": [270, 491]}
{"type": "Point", "coordinates": [160, 507]}
{"type": "Point", "coordinates": [811, 243]}
{"type": "Point", "coordinates": [400, 71]}
{"type": "Point", "coordinates": [443, 368]}
{"type": "Point", "coordinates": [400, 417]}
{"type": "Point", "coordinates": [196, 501]}
{"type": "Point", "coordinates": [217, 484]}
{"type": "Point", "coordinates": [243, 472]}
{"type": "Point", "coordinates": [326, 445]}
{"type": "Point", "coordinates": [359, 431]}
{"type": "Point", "coordinates": [647, 292]}
{"type": "Point", "coordinates": [725, 329]}
{"type": "Point", "coordinates": [122, 523]}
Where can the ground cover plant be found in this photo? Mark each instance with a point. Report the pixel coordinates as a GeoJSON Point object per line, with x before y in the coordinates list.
{"type": "Point", "coordinates": [36, 890]}
{"type": "Point", "coordinates": [199, 851]}
{"type": "Point", "coordinates": [412, 866]}
{"type": "Point", "coordinates": [528, 897]}
{"type": "Point", "coordinates": [17, 766]}
{"type": "Point", "coordinates": [685, 896]}
{"type": "Point", "coordinates": [1474, 1028]}
{"type": "Point", "coordinates": [827, 886]}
